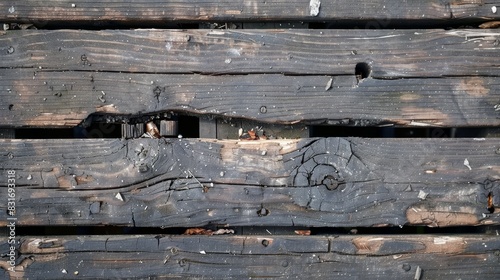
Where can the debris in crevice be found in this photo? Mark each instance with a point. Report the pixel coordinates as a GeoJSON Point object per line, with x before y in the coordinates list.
{"type": "Point", "coordinates": [152, 130]}
{"type": "Point", "coordinates": [490, 24]}
{"type": "Point", "coordinates": [304, 232]}
{"type": "Point", "coordinates": [202, 231]}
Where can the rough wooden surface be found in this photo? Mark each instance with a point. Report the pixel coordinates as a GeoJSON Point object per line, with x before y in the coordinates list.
{"type": "Point", "coordinates": [238, 257]}
{"type": "Point", "coordinates": [40, 12]}
{"type": "Point", "coordinates": [390, 53]}
{"type": "Point", "coordinates": [332, 182]}
{"type": "Point", "coordinates": [421, 77]}
{"type": "Point", "coordinates": [65, 99]}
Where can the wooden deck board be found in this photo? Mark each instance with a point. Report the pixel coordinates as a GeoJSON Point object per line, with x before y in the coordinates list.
{"type": "Point", "coordinates": [65, 99]}
{"type": "Point", "coordinates": [216, 257]}
{"type": "Point", "coordinates": [390, 53]}
{"type": "Point", "coordinates": [230, 10]}
{"type": "Point", "coordinates": [332, 182]}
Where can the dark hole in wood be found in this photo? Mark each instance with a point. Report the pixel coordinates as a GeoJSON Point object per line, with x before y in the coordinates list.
{"type": "Point", "coordinates": [362, 70]}
{"type": "Point", "coordinates": [262, 212]}
{"type": "Point", "coordinates": [40, 133]}
{"type": "Point", "coordinates": [189, 126]}
{"type": "Point", "coordinates": [11, 106]}
{"type": "Point", "coordinates": [391, 24]}
{"type": "Point", "coordinates": [109, 24]}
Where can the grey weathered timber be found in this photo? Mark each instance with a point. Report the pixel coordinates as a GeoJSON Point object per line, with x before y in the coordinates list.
{"type": "Point", "coordinates": [391, 54]}
{"type": "Point", "coordinates": [65, 99]}
{"type": "Point", "coordinates": [328, 182]}
{"type": "Point", "coordinates": [380, 12]}
{"type": "Point", "coordinates": [243, 257]}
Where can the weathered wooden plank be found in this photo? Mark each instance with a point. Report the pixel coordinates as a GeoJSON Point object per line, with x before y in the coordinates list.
{"type": "Point", "coordinates": [308, 182]}
{"type": "Point", "coordinates": [39, 98]}
{"type": "Point", "coordinates": [229, 10]}
{"type": "Point", "coordinates": [389, 53]}
{"type": "Point", "coordinates": [217, 257]}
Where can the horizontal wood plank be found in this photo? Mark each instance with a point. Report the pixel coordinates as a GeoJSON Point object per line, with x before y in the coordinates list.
{"type": "Point", "coordinates": [380, 11]}
{"type": "Point", "coordinates": [329, 182]}
{"type": "Point", "coordinates": [217, 257]}
{"type": "Point", "coordinates": [65, 99]}
{"type": "Point", "coordinates": [390, 53]}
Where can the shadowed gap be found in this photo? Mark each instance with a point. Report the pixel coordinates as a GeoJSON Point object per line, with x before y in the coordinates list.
{"type": "Point", "coordinates": [119, 230]}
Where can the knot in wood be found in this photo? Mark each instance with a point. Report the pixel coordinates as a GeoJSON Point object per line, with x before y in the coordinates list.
{"type": "Point", "coordinates": [330, 182]}
{"type": "Point", "coordinates": [157, 91]}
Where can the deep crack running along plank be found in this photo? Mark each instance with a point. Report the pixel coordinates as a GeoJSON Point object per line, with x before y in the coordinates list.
{"type": "Point", "coordinates": [65, 99]}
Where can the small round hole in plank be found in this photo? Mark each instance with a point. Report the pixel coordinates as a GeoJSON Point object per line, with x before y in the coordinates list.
{"type": "Point", "coordinates": [362, 70]}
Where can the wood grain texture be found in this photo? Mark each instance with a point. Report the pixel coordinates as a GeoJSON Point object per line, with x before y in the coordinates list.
{"type": "Point", "coordinates": [229, 10]}
{"type": "Point", "coordinates": [391, 54]}
{"type": "Point", "coordinates": [328, 182]}
{"type": "Point", "coordinates": [238, 257]}
{"type": "Point", "coordinates": [65, 99]}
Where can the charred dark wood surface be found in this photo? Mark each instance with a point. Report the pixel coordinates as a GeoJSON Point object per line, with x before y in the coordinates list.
{"type": "Point", "coordinates": [64, 99]}
{"type": "Point", "coordinates": [391, 54]}
{"type": "Point", "coordinates": [380, 11]}
{"type": "Point", "coordinates": [275, 77]}
{"type": "Point", "coordinates": [352, 77]}
{"type": "Point", "coordinates": [218, 257]}
{"type": "Point", "coordinates": [332, 182]}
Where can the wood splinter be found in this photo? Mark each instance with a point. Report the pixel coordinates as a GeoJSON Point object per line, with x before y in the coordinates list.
{"type": "Point", "coordinates": [491, 207]}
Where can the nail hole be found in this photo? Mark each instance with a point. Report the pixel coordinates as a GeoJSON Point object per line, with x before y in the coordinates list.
{"type": "Point", "coordinates": [406, 267]}
{"type": "Point", "coordinates": [263, 212]}
{"type": "Point", "coordinates": [11, 106]}
{"type": "Point", "coordinates": [362, 70]}
{"type": "Point", "coordinates": [265, 243]}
